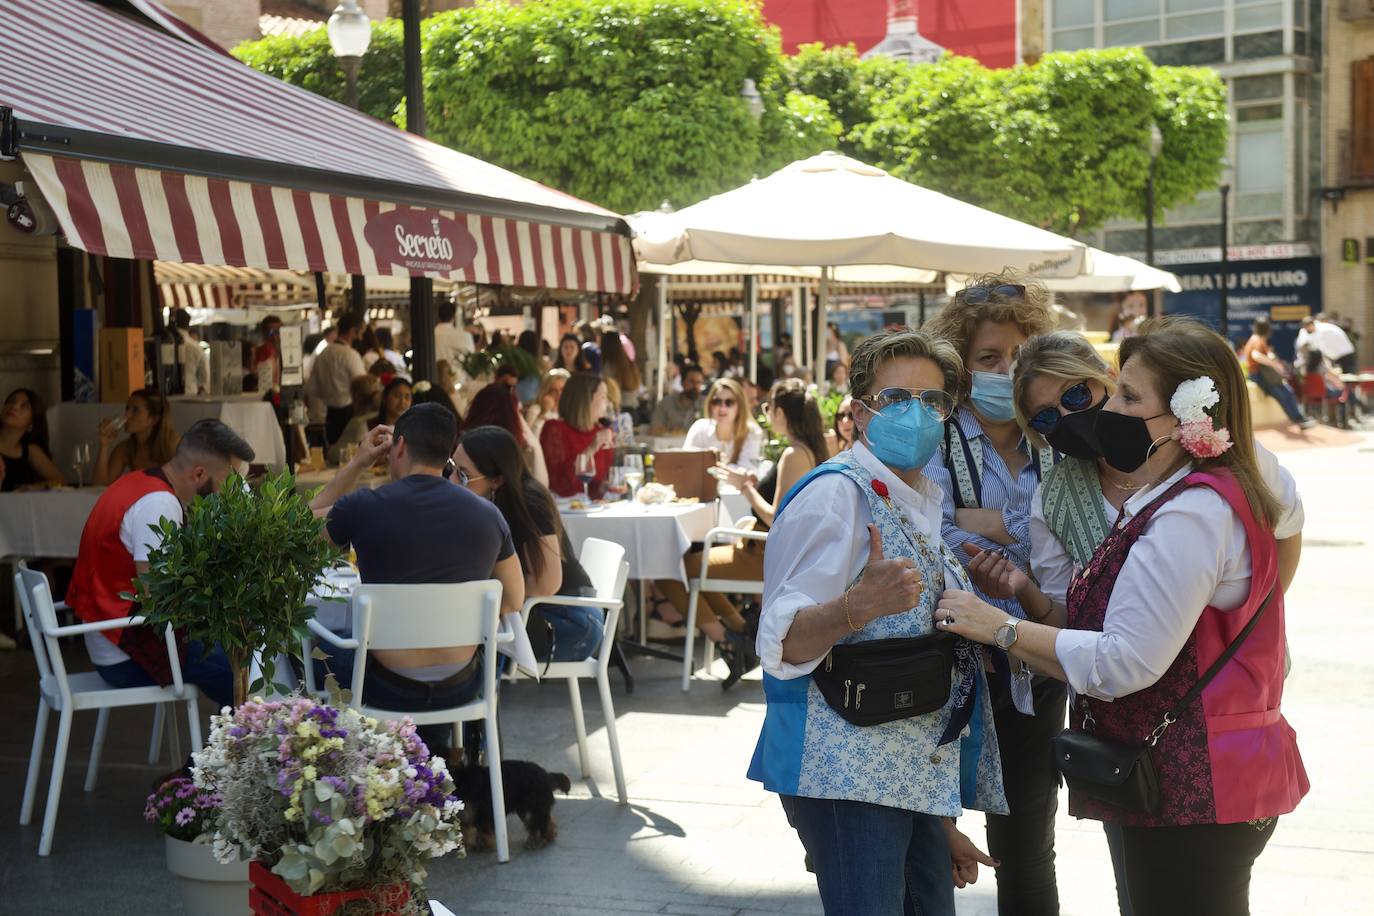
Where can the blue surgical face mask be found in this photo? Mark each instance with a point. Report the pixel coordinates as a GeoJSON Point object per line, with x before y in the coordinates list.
{"type": "Point", "coordinates": [991, 395]}
{"type": "Point", "coordinates": [903, 439]}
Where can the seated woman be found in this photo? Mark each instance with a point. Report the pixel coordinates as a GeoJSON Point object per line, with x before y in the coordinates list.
{"type": "Point", "coordinates": [544, 407]}
{"type": "Point", "coordinates": [844, 425]}
{"type": "Point", "coordinates": [151, 441]}
{"type": "Point", "coordinates": [396, 398]}
{"type": "Point", "coordinates": [499, 405]}
{"type": "Point", "coordinates": [24, 443]}
{"type": "Point", "coordinates": [577, 431]}
{"type": "Point", "coordinates": [366, 391]}
{"type": "Point", "coordinates": [727, 428]}
{"type": "Point", "coordinates": [491, 464]}
{"type": "Point", "coordinates": [792, 412]}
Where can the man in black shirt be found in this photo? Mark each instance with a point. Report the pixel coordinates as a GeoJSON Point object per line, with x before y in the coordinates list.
{"type": "Point", "coordinates": [420, 528]}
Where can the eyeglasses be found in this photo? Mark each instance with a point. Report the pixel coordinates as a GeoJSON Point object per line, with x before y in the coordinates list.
{"type": "Point", "coordinates": [981, 294]}
{"type": "Point", "coordinates": [1075, 398]}
{"type": "Point", "coordinates": [844, 415]}
{"type": "Point", "coordinates": [722, 402]}
{"type": "Point", "coordinates": [465, 478]}
{"type": "Point", "coordinates": [934, 400]}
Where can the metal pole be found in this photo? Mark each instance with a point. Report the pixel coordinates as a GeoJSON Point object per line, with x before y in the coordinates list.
{"type": "Point", "coordinates": [665, 328]}
{"type": "Point", "coordinates": [422, 312]}
{"type": "Point", "coordinates": [1150, 215]}
{"type": "Point", "coordinates": [350, 64]}
{"type": "Point", "coordinates": [822, 322]}
{"type": "Point", "coordinates": [1225, 259]}
{"type": "Point", "coordinates": [751, 302]}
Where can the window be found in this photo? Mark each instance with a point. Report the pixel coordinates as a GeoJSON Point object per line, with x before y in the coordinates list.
{"type": "Point", "coordinates": [1362, 120]}
{"type": "Point", "coordinates": [1181, 32]}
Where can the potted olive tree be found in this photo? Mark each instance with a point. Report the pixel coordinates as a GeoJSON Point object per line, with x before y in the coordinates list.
{"type": "Point", "coordinates": [238, 573]}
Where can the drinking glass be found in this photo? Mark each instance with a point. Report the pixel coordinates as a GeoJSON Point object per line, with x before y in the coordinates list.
{"type": "Point", "coordinates": [616, 484]}
{"type": "Point", "coordinates": [585, 469]}
{"type": "Point", "coordinates": [634, 472]}
{"type": "Point", "coordinates": [81, 458]}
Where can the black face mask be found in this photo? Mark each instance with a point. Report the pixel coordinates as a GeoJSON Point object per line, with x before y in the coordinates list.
{"type": "Point", "coordinates": [1074, 434]}
{"type": "Point", "coordinates": [1125, 441]}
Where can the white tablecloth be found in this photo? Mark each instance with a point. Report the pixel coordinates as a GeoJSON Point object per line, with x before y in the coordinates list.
{"type": "Point", "coordinates": [71, 423]}
{"type": "Point", "coordinates": [654, 537]}
{"type": "Point", "coordinates": [44, 523]}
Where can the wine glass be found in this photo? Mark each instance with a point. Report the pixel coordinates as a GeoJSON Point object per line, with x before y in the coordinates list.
{"type": "Point", "coordinates": [81, 457]}
{"type": "Point", "coordinates": [633, 465]}
{"type": "Point", "coordinates": [616, 483]}
{"type": "Point", "coordinates": [585, 469]}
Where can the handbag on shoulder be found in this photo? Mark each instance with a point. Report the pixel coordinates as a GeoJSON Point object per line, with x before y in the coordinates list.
{"type": "Point", "coordinates": [1124, 774]}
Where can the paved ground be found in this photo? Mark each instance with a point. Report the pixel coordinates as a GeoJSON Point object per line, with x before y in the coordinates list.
{"type": "Point", "coordinates": [698, 838]}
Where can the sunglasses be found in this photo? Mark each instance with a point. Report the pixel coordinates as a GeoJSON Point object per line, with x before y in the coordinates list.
{"type": "Point", "coordinates": [844, 415]}
{"type": "Point", "coordinates": [722, 402]}
{"type": "Point", "coordinates": [1075, 398]}
{"type": "Point", "coordinates": [900, 400]}
{"type": "Point", "coordinates": [980, 294]}
{"type": "Point", "coordinates": [465, 478]}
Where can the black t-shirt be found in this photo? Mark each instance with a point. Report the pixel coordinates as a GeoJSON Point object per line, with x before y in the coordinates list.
{"type": "Point", "coordinates": [576, 582]}
{"type": "Point", "coordinates": [421, 529]}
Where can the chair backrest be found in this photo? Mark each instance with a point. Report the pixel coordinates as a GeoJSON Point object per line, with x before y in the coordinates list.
{"type": "Point", "coordinates": [602, 561]}
{"type": "Point", "coordinates": [31, 589]}
{"type": "Point", "coordinates": [424, 616]}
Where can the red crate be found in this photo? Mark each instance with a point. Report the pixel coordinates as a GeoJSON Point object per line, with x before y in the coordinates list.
{"type": "Point", "coordinates": [272, 896]}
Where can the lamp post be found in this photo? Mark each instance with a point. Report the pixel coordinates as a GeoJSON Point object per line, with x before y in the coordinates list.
{"type": "Point", "coordinates": [1226, 179]}
{"type": "Point", "coordinates": [1156, 144]}
{"type": "Point", "coordinates": [422, 314]}
{"type": "Point", "coordinates": [350, 32]}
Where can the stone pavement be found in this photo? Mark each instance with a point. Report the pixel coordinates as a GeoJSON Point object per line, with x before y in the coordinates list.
{"type": "Point", "coordinates": [698, 838]}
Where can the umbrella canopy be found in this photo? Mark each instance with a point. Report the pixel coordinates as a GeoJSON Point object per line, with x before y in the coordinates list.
{"type": "Point", "coordinates": [1104, 272]}
{"type": "Point", "coordinates": [831, 210]}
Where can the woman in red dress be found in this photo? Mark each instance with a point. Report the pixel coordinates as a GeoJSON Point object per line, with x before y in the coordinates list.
{"type": "Point", "coordinates": [578, 430]}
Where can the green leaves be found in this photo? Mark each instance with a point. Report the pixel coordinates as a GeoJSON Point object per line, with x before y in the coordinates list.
{"type": "Point", "coordinates": [237, 573]}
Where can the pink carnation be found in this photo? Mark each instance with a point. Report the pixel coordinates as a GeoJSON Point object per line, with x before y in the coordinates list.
{"type": "Point", "coordinates": [1200, 440]}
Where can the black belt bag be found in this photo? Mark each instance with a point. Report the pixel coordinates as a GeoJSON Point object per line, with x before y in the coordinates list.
{"type": "Point", "coordinates": [1124, 774]}
{"type": "Point", "coordinates": [883, 680]}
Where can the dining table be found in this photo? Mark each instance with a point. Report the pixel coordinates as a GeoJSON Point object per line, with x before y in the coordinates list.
{"type": "Point", "coordinates": [45, 522]}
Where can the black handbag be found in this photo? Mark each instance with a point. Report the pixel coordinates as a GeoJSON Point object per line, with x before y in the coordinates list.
{"type": "Point", "coordinates": [883, 680]}
{"type": "Point", "coordinates": [1124, 774]}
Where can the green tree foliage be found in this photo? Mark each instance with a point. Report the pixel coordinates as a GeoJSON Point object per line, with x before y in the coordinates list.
{"type": "Point", "coordinates": [309, 62]}
{"type": "Point", "coordinates": [624, 102]}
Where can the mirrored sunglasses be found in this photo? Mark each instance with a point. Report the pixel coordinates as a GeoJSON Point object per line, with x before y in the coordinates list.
{"type": "Point", "coordinates": [1075, 398]}
{"type": "Point", "coordinates": [980, 294]}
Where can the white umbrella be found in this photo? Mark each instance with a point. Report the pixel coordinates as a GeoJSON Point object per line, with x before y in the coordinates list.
{"type": "Point", "coordinates": [1104, 272]}
{"type": "Point", "coordinates": [830, 211]}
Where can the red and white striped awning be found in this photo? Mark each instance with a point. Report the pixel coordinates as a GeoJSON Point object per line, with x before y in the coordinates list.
{"type": "Point", "coordinates": [146, 144]}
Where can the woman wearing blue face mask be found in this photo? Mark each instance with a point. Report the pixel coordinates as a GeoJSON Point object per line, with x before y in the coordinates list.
{"type": "Point", "coordinates": [988, 473]}
{"type": "Point", "coordinates": [871, 774]}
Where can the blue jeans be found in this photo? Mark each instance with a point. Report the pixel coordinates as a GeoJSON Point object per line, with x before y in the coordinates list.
{"type": "Point", "coordinates": [871, 860]}
{"type": "Point", "coordinates": [385, 689]}
{"type": "Point", "coordinates": [577, 631]}
{"type": "Point", "coordinates": [209, 671]}
{"type": "Point", "coordinates": [1281, 393]}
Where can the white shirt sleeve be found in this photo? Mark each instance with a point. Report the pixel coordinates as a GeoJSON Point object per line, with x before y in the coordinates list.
{"type": "Point", "coordinates": [753, 449]}
{"type": "Point", "coordinates": [1050, 562]}
{"type": "Point", "coordinates": [1285, 490]}
{"type": "Point", "coordinates": [816, 548]}
{"type": "Point", "coordinates": [1192, 554]}
{"type": "Point", "coordinates": [136, 529]}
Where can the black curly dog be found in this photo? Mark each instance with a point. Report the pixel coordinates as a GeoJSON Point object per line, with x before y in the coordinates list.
{"type": "Point", "coordinates": [528, 789]}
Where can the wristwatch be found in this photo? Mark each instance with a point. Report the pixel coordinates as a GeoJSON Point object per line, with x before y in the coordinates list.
{"type": "Point", "coordinates": [1005, 637]}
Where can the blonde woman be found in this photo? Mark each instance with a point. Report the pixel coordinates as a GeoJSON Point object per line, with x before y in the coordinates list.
{"type": "Point", "coordinates": [151, 441]}
{"type": "Point", "coordinates": [728, 428]}
{"type": "Point", "coordinates": [544, 407]}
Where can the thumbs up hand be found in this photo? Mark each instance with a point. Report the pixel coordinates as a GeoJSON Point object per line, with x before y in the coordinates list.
{"type": "Point", "coordinates": [888, 586]}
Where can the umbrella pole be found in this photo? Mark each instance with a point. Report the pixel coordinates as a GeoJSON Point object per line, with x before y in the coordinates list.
{"type": "Point", "coordinates": [822, 321]}
{"type": "Point", "coordinates": [665, 328]}
{"type": "Point", "coordinates": [751, 299]}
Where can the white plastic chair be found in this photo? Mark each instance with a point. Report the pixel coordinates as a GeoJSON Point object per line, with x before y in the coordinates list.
{"type": "Point", "coordinates": [66, 694]}
{"type": "Point", "coordinates": [704, 583]}
{"type": "Point", "coordinates": [604, 562]}
{"type": "Point", "coordinates": [392, 617]}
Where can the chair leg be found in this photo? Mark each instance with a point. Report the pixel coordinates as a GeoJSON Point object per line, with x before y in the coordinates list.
{"type": "Point", "coordinates": [580, 725]}
{"type": "Point", "coordinates": [102, 724]}
{"type": "Point", "coordinates": [603, 686]}
{"type": "Point", "coordinates": [40, 737]}
{"type": "Point", "coordinates": [159, 723]}
{"type": "Point", "coordinates": [175, 740]}
{"type": "Point", "coordinates": [689, 648]}
{"type": "Point", "coordinates": [59, 767]}
{"type": "Point", "coordinates": [708, 657]}
{"type": "Point", "coordinates": [498, 792]}
{"type": "Point", "coordinates": [193, 723]}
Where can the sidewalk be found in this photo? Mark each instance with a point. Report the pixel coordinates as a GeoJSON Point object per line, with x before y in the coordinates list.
{"type": "Point", "coordinates": [698, 838]}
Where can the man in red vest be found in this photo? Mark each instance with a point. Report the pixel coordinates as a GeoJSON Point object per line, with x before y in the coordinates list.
{"type": "Point", "coordinates": [114, 549]}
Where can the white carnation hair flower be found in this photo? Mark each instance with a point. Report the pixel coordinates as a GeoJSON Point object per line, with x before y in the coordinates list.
{"type": "Point", "coordinates": [1192, 399]}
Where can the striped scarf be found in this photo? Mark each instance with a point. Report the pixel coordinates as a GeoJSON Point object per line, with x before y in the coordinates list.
{"type": "Point", "coordinates": [1072, 500]}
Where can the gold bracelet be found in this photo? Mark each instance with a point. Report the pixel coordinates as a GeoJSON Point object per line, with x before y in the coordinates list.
{"type": "Point", "coordinates": [847, 619]}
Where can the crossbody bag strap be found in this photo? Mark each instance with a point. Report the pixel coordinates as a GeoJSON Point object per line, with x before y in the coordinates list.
{"type": "Point", "coordinates": [1184, 701]}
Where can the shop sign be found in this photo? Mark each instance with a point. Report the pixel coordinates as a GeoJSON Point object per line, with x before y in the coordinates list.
{"type": "Point", "coordinates": [421, 241]}
{"type": "Point", "coordinates": [1284, 291]}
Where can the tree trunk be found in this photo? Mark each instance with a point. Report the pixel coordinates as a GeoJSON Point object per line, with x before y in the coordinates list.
{"type": "Point", "coordinates": [238, 663]}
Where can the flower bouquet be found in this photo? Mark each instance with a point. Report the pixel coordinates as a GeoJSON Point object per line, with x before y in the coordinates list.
{"type": "Point", "coordinates": [330, 801]}
{"type": "Point", "coordinates": [183, 810]}
{"type": "Point", "coordinates": [186, 814]}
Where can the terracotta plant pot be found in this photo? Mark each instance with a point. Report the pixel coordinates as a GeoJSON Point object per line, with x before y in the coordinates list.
{"type": "Point", "coordinates": [208, 888]}
{"type": "Point", "coordinates": [272, 896]}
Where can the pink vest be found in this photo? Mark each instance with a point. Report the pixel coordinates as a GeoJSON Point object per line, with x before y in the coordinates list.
{"type": "Point", "coordinates": [1231, 756]}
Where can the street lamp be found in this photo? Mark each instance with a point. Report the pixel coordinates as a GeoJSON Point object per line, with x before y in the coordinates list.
{"type": "Point", "coordinates": [1156, 144]}
{"type": "Point", "coordinates": [1227, 177]}
{"type": "Point", "coordinates": [350, 32]}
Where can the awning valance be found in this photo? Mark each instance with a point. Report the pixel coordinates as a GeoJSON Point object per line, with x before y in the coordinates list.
{"type": "Point", "coordinates": [147, 144]}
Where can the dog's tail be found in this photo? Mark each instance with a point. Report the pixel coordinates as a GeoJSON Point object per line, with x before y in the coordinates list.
{"type": "Point", "coordinates": [560, 782]}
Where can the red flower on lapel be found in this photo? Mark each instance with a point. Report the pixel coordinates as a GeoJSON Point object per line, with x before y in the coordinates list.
{"type": "Point", "coordinates": [881, 489]}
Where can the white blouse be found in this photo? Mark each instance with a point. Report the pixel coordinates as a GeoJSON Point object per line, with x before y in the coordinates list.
{"type": "Point", "coordinates": [1192, 554]}
{"type": "Point", "coordinates": [702, 434]}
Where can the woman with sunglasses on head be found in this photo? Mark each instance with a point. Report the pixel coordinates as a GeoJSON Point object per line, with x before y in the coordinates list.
{"type": "Point", "coordinates": [727, 427]}
{"type": "Point", "coordinates": [1187, 584]}
{"type": "Point", "coordinates": [988, 473]}
{"type": "Point", "coordinates": [855, 562]}
{"type": "Point", "coordinates": [490, 462]}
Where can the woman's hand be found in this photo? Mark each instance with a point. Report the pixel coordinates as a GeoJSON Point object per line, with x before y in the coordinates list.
{"type": "Point", "coordinates": [605, 438]}
{"type": "Point", "coordinates": [995, 575]}
{"type": "Point", "coordinates": [888, 586]}
{"type": "Point", "coordinates": [107, 432]}
{"type": "Point", "coordinates": [966, 615]}
{"type": "Point", "coordinates": [965, 856]}
{"type": "Point", "coordinates": [737, 479]}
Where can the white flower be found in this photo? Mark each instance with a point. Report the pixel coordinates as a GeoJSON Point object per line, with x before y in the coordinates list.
{"type": "Point", "coordinates": [1192, 398]}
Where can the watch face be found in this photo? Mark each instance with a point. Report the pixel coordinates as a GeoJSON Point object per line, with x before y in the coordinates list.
{"type": "Point", "coordinates": [1005, 637]}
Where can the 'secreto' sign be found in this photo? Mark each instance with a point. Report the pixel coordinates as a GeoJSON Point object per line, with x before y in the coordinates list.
{"type": "Point", "coordinates": [420, 240]}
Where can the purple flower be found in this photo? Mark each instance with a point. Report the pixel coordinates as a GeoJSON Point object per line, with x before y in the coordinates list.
{"type": "Point", "coordinates": [185, 816]}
